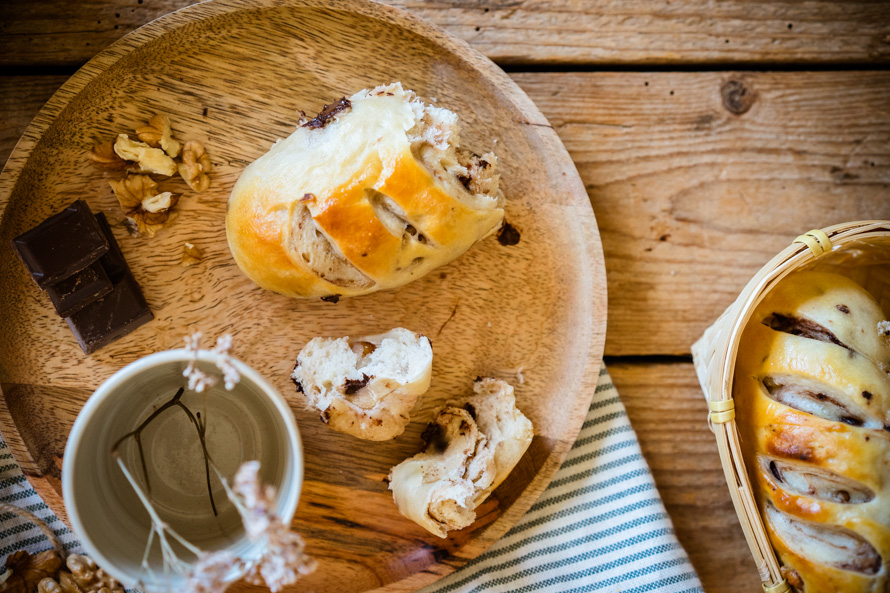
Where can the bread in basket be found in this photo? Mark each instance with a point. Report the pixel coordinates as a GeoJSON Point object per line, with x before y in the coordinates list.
{"type": "Point", "coordinates": [796, 375]}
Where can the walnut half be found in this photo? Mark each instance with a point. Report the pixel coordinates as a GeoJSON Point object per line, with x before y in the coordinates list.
{"type": "Point", "coordinates": [144, 206]}
{"type": "Point", "coordinates": [82, 576]}
{"type": "Point", "coordinates": [195, 165]}
{"type": "Point", "coordinates": [150, 160]}
{"type": "Point", "coordinates": [26, 571]}
{"type": "Point", "coordinates": [157, 133]}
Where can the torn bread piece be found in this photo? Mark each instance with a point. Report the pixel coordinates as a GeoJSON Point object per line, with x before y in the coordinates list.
{"type": "Point", "coordinates": [368, 386]}
{"type": "Point", "coordinates": [471, 446]}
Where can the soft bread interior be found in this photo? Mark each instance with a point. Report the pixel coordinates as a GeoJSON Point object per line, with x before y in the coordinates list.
{"type": "Point", "coordinates": [472, 445]}
{"type": "Point", "coordinates": [829, 545]}
{"type": "Point", "coordinates": [365, 387]}
{"type": "Point", "coordinates": [435, 140]}
{"type": "Point", "coordinates": [314, 250]}
{"type": "Point", "coordinates": [810, 480]}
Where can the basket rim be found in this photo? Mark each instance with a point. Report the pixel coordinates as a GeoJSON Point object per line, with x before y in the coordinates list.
{"type": "Point", "coordinates": [785, 262]}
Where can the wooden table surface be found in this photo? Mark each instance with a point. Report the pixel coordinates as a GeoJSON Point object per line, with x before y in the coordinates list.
{"type": "Point", "coordinates": [708, 135]}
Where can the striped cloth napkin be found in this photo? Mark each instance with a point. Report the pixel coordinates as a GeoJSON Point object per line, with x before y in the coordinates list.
{"type": "Point", "coordinates": [599, 526]}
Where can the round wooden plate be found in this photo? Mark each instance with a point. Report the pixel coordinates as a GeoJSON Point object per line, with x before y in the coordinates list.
{"type": "Point", "coordinates": [234, 75]}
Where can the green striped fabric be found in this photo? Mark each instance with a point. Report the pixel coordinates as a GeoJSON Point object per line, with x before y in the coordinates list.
{"type": "Point", "coordinates": [599, 526]}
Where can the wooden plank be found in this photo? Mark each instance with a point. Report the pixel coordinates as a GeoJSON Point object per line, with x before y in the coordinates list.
{"type": "Point", "coordinates": [21, 97]}
{"type": "Point", "coordinates": [56, 32]}
{"type": "Point", "coordinates": [693, 194]}
{"type": "Point", "coordinates": [691, 198]}
{"type": "Point", "coordinates": [669, 413]}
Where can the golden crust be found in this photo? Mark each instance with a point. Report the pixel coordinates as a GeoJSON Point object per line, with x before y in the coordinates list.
{"type": "Point", "coordinates": [257, 238]}
{"type": "Point", "coordinates": [773, 430]}
{"type": "Point", "coordinates": [345, 175]}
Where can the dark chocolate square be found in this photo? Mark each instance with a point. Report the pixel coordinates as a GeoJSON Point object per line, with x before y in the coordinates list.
{"type": "Point", "coordinates": [62, 245]}
{"type": "Point", "coordinates": [113, 261]}
{"type": "Point", "coordinates": [111, 317]}
{"type": "Point", "coordinates": [76, 292]}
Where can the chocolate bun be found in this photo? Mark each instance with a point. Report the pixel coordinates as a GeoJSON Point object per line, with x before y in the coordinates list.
{"type": "Point", "coordinates": [372, 193]}
{"type": "Point", "coordinates": [813, 408]}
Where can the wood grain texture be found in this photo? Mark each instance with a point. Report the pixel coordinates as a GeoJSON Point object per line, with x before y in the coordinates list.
{"type": "Point", "coordinates": [234, 75]}
{"type": "Point", "coordinates": [55, 32]}
{"type": "Point", "coordinates": [669, 414]}
{"type": "Point", "coordinates": [21, 97]}
{"type": "Point", "coordinates": [691, 198]}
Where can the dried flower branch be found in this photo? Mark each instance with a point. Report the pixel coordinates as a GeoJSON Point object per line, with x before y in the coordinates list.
{"type": "Point", "coordinates": [208, 575]}
{"type": "Point", "coordinates": [136, 435]}
{"type": "Point", "coordinates": [285, 559]}
{"type": "Point", "coordinates": [198, 379]}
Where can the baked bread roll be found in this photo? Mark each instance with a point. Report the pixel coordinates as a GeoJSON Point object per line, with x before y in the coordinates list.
{"type": "Point", "coordinates": [813, 408]}
{"type": "Point", "coordinates": [365, 387]}
{"type": "Point", "coordinates": [372, 193]}
{"type": "Point", "coordinates": [471, 446]}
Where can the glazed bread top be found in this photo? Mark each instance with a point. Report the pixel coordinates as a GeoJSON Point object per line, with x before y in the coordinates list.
{"type": "Point", "coordinates": [372, 193]}
{"type": "Point", "coordinates": [813, 409]}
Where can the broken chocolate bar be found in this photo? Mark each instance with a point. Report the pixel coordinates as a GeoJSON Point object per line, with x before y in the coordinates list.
{"type": "Point", "coordinates": [111, 317]}
{"type": "Point", "coordinates": [113, 261]}
{"type": "Point", "coordinates": [76, 292]}
{"type": "Point", "coordinates": [62, 245]}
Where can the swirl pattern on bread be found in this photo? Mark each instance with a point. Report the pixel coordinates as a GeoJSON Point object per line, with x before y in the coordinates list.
{"type": "Point", "coordinates": [374, 192]}
{"type": "Point", "coordinates": [813, 408]}
{"type": "Point", "coordinates": [471, 446]}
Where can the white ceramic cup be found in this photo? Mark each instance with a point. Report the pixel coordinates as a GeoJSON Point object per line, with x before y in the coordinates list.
{"type": "Point", "coordinates": [252, 421]}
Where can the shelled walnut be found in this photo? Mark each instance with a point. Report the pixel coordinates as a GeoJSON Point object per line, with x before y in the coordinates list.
{"type": "Point", "coordinates": [155, 152]}
{"type": "Point", "coordinates": [195, 165]}
{"type": "Point", "coordinates": [191, 254]}
{"type": "Point", "coordinates": [157, 133]}
{"type": "Point", "coordinates": [150, 160]}
{"type": "Point", "coordinates": [26, 571]}
{"type": "Point", "coordinates": [82, 576]}
{"type": "Point", "coordinates": [142, 203]}
{"type": "Point", "coordinates": [103, 156]}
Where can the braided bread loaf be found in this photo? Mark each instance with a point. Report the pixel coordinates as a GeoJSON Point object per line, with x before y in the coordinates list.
{"type": "Point", "coordinates": [372, 193]}
{"type": "Point", "coordinates": [813, 407]}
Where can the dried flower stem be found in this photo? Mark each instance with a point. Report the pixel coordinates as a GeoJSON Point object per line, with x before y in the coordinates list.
{"type": "Point", "coordinates": [160, 528]}
{"type": "Point", "coordinates": [137, 436]}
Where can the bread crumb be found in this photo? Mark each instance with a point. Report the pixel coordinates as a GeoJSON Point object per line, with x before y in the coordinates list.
{"type": "Point", "coordinates": [519, 376]}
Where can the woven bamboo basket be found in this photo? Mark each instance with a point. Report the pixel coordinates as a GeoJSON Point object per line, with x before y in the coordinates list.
{"type": "Point", "coordinates": [859, 250]}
